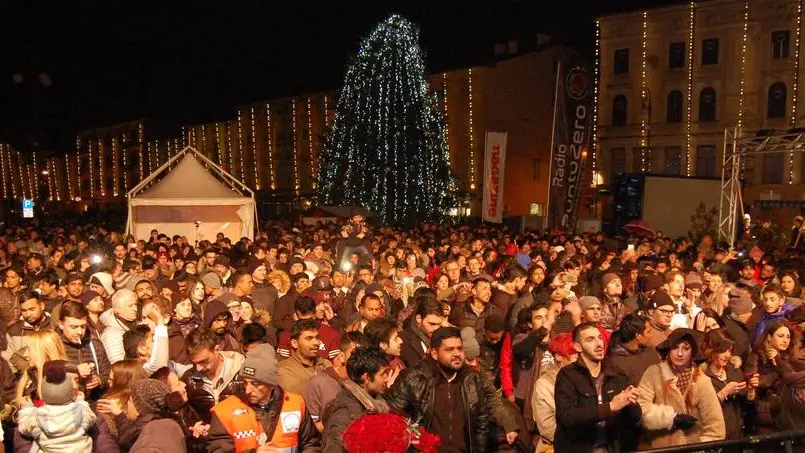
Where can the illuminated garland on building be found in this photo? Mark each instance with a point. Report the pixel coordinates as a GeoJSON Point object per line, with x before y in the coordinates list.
{"type": "Point", "coordinates": [326, 111]}
{"type": "Point", "coordinates": [295, 151]}
{"type": "Point", "coordinates": [218, 144]}
{"type": "Point", "coordinates": [272, 177]}
{"type": "Point", "coordinates": [3, 170]}
{"type": "Point", "coordinates": [241, 146]}
{"type": "Point", "coordinates": [792, 121]}
{"type": "Point", "coordinates": [645, 164]}
{"type": "Point", "coordinates": [254, 149]}
{"type": "Point", "coordinates": [471, 132]}
{"type": "Point", "coordinates": [78, 173]}
{"type": "Point", "coordinates": [204, 140]}
{"type": "Point", "coordinates": [689, 90]}
{"type": "Point", "coordinates": [742, 90]}
{"type": "Point", "coordinates": [310, 144]}
{"type": "Point", "coordinates": [386, 148]}
{"type": "Point", "coordinates": [151, 158]}
{"type": "Point", "coordinates": [9, 151]}
{"type": "Point", "coordinates": [101, 165]}
{"type": "Point", "coordinates": [91, 172]}
{"type": "Point", "coordinates": [140, 141]}
{"type": "Point", "coordinates": [124, 151]}
{"type": "Point", "coordinates": [116, 170]}
{"type": "Point", "coordinates": [70, 191]}
{"type": "Point", "coordinates": [596, 81]}
{"type": "Point", "coordinates": [35, 179]}
{"type": "Point", "coordinates": [49, 179]}
{"type": "Point", "coordinates": [229, 147]}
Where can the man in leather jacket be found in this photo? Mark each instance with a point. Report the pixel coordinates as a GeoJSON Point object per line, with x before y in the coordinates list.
{"type": "Point", "coordinates": [445, 395]}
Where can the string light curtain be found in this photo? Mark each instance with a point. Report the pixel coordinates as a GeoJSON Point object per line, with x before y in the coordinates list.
{"type": "Point", "coordinates": [386, 149]}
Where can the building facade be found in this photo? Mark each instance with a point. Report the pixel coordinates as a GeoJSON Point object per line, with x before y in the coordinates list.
{"type": "Point", "coordinates": [672, 80]}
{"type": "Point", "coordinates": [273, 146]}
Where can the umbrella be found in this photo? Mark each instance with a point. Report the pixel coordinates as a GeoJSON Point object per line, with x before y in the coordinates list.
{"type": "Point", "coordinates": [639, 227]}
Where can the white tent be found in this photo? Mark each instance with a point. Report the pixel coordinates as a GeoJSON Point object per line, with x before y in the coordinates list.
{"type": "Point", "coordinates": [191, 200]}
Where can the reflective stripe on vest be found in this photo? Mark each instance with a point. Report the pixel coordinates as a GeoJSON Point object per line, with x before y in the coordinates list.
{"type": "Point", "coordinates": [241, 423]}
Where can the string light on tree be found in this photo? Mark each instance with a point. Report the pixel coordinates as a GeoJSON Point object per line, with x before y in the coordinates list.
{"type": "Point", "coordinates": [327, 111]}
{"type": "Point", "coordinates": [594, 134]}
{"type": "Point", "coordinates": [446, 114]}
{"type": "Point", "coordinates": [295, 151]}
{"type": "Point", "coordinates": [386, 149]}
{"type": "Point", "coordinates": [792, 120]}
{"type": "Point", "coordinates": [471, 132]}
{"type": "Point", "coordinates": [644, 97]}
{"type": "Point", "coordinates": [272, 177]}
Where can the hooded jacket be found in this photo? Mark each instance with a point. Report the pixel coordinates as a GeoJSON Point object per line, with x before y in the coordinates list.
{"type": "Point", "coordinates": [228, 340]}
{"type": "Point", "coordinates": [632, 364]}
{"type": "Point", "coordinates": [59, 429]}
{"type": "Point", "coordinates": [158, 436]}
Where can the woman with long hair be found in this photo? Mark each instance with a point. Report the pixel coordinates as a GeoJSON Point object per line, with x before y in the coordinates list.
{"type": "Point", "coordinates": [728, 381]}
{"type": "Point", "coordinates": [195, 430]}
{"type": "Point", "coordinates": [679, 404]}
{"type": "Point", "coordinates": [789, 282]}
{"type": "Point", "coordinates": [763, 370]}
{"type": "Point", "coordinates": [40, 347]}
{"type": "Point", "coordinates": [112, 405]}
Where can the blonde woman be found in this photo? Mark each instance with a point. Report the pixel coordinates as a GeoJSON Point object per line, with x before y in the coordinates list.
{"type": "Point", "coordinates": [113, 403]}
{"type": "Point", "coordinates": [40, 347]}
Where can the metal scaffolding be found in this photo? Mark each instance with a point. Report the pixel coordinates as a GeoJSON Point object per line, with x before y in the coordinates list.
{"type": "Point", "coordinates": [737, 150]}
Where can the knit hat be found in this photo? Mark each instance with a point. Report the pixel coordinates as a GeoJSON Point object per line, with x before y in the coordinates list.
{"type": "Point", "coordinates": [104, 279]}
{"type": "Point", "coordinates": [253, 264]}
{"type": "Point", "coordinates": [148, 396]}
{"type": "Point", "coordinates": [471, 347]}
{"type": "Point", "coordinates": [261, 364]}
{"type": "Point", "coordinates": [588, 301]}
{"type": "Point", "coordinates": [57, 388]}
{"type": "Point", "coordinates": [608, 277]}
{"type": "Point", "coordinates": [211, 280]}
{"type": "Point", "coordinates": [693, 281]}
{"type": "Point", "coordinates": [172, 285]}
{"type": "Point", "coordinates": [648, 282]}
{"type": "Point", "coordinates": [87, 297]}
{"type": "Point", "coordinates": [739, 302]}
{"type": "Point", "coordinates": [659, 299]}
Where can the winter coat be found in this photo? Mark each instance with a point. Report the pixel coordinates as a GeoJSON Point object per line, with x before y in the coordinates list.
{"type": "Point", "coordinates": [413, 394]}
{"type": "Point", "coordinates": [90, 350]}
{"type": "Point", "coordinates": [740, 333]}
{"type": "Point", "coordinates": [103, 441]}
{"type": "Point", "coordinates": [660, 400]}
{"type": "Point", "coordinates": [767, 401]}
{"type": "Point", "coordinates": [293, 374]}
{"type": "Point", "coordinates": [160, 436]}
{"type": "Point", "coordinates": [543, 405]}
{"type": "Point", "coordinates": [200, 399]}
{"type": "Point", "coordinates": [58, 429]}
{"type": "Point", "coordinates": [9, 308]}
{"type": "Point", "coordinates": [631, 364]}
{"type": "Point", "coordinates": [768, 318]}
{"type": "Point", "coordinates": [282, 316]}
{"type": "Point", "coordinates": [415, 345]}
{"type": "Point", "coordinates": [112, 337]}
{"type": "Point", "coordinates": [347, 407]}
{"type": "Point", "coordinates": [792, 403]}
{"type": "Point", "coordinates": [733, 407]}
{"type": "Point", "coordinates": [219, 440]}
{"type": "Point", "coordinates": [15, 336]}
{"type": "Point", "coordinates": [579, 410]}
{"type": "Point", "coordinates": [463, 316]}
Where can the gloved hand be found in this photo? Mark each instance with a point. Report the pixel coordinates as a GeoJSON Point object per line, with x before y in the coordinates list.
{"type": "Point", "coordinates": [684, 421]}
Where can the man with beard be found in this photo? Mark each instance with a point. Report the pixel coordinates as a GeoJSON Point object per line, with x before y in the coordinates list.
{"type": "Point", "coordinates": [217, 318]}
{"type": "Point", "coordinates": [48, 284]}
{"type": "Point", "coordinates": [33, 318]}
{"type": "Point", "coordinates": [594, 403]}
{"type": "Point", "coordinates": [282, 317]}
{"type": "Point", "coordinates": [304, 362]}
{"type": "Point", "coordinates": [504, 296]}
{"type": "Point", "coordinates": [630, 352]}
{"type": "Point", "coordinates": [445, 394]}
{"type": "Point", "coordinates": [474, 311]}
{"type": "Point", "coordinates": [613, 307]}
{"type": "Point", "coordinates": [428, 318]}
{"type": "Point", "coordinates": [144, 290]}
{"type": "Point", "coordinates": [368, 370]}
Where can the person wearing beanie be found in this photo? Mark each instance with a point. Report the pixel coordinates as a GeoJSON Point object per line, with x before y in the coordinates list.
{"type": "Point", "coordinates": [687, 412]}
{"type": "Point", "coordinates": [740, 309]}
{"type": "Point", "coordinates": [102, 283]}
{"type": "Point", "coordinates": [150, 407]}
{"type": "Point", "coordinates": [242, 422]}
{"type": "Point", "coordinates": [62, 425]}
{"type": "Point", "coordinates": [661, 310]}
{"type": "Point", "coordinates": [264, 294]}
{"type": "Point", "coordinates": [613, 308]}
{"type": "Point", "coordinates": [591, 311]}
{"type": "Point", "coordinates": [221, 267]}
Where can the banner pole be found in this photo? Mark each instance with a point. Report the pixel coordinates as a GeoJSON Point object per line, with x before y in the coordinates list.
{"type": "Point", "coordinates": [546, 214]}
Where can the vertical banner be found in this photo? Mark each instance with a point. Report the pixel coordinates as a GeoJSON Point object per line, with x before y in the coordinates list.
{"type": "Point", "coordinates": [494, 172]}
{"type": "Point", "coordinates": [571, 139]}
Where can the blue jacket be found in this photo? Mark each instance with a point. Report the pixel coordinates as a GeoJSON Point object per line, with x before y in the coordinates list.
{"type": "Point", "coordinates": [767, 319]}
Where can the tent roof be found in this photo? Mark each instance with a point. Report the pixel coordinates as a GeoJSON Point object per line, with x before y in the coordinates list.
{"type": "Point", "coordinates": [189, 179]}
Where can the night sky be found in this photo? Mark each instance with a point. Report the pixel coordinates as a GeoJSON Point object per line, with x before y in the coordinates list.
{"type": "Point", "coordinates": [184, 62]}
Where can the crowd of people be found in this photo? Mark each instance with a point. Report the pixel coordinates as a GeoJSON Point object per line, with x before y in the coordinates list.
{"type": "Point", "coordinates": [489, 339]}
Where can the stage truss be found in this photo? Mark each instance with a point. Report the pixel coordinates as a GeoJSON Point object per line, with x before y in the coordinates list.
{"type": "Point", "coordinates": [737, 149]}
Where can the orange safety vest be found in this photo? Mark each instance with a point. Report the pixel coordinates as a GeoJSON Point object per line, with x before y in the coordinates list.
{"type": "Point", "coordinates": [241, 423]}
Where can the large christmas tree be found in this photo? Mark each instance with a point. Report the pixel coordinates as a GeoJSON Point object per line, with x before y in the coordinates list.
{"type": "Point", "coordinates": [386, 149]}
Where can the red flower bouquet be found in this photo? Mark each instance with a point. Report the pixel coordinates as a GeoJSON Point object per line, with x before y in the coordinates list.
{"type": "Point", "coordinates": [387, 433]}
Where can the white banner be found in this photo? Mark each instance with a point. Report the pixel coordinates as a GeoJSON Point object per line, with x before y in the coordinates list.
{"type": "Point", "coordinates": [494, 172]}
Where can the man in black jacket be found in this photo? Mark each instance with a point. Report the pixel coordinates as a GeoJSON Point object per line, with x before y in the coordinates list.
{"type": "Point", "coordinates": [416, 337]}
{"type": "Point", "coordinates": [445, 394]}
{"type": "Point", "coordinates": [594, 403]}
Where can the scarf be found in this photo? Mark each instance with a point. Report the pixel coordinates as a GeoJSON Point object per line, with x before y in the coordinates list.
{"type": "Point", "coordinates": [684, 379]}
{"type": "Point", "coordinates": [128, 325]}
{"type": "Point", "coordinates": [371, 404]}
